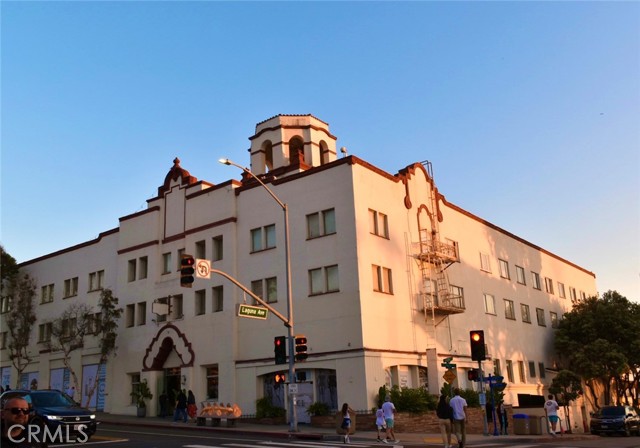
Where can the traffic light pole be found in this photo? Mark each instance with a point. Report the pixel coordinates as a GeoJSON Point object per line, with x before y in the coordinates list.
{"type": "Point", "coordinates": [293, 418]}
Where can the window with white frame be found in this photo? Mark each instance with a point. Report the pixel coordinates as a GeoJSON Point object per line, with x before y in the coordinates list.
{"type": "Point", "coordinates": [540, 316]}
{"type": "Point", "coordinates": [166, 263]}
{"type": "Point", "coordinates": [141, 313]}
{"type": "Point", "coordinates": [96, 280]}
{"type": "Point", "coordinates": [378, 224]}
{"type": "Point", "coordinates": [382, 279]}
{"type": "Point", "coordinates": [526, 315]}
{"type": "Point", "coordinates": [489, 304]}
{"type": "Point", "coordinates": [520, 277]}
{"type": "Point", "coordinates": [218, 248]}
{"type": "Point", "coordinates": [548, 284]}
{"type": "Point", "coordinates": [5, 304]}
{"type": "Point", "coordinates": [201, 302]}
{"type": "Point", "coordinates": [457, 295]}
{"type": "Point", "coordinates": [71, 287]}
{"type": "Point", "coordinates": [44, 332]}
{"type": "Point", "coordinates": [131, 270]}
{"type": "Point", "coordinates": [509, 310]}
{"type": "Point", "coordinates": [485, 264]}
{"type": "Point", "coordinates": [134, 381]}
{"type": "Point", "coordinates": [521, 374]}
{"type": "Point", "coordinates": [572, 293]}
{"type": "Point", "coordinates": [94, 324]}
{"type": "Point", "coordinates": [561, 292]}
{"type": "Point", "coordinates": [321, 223]}
{"type": "Point", "coordinates": [176, 307]}
{"type": "Point", "coordinates": [510, 376]}
{"type": "Point", "coordinates": [323, 280]}
{"type": "Point", "coordinates": [217, 299]}
{"type": "Point", "coordinates": [263, 238]}
{"type": "Point", "coordinates": [583, 295]}
{"type": "Point", "coordinates": [497, 371]}
{"type": "Point", "coordinates": [553, 317]}
{"type": "Point", "coordinates": [266, 289]}
{"type": "Point", "coordinates": [504, 269]}
{"type": "Point", "coordinates": [201, 249]}
{"type": "Point", "coordinates": [535, 279]}
{"type": "Point", "coordinates": [46, 294]}
{"type": "Point", "coordinates": [212, 382]}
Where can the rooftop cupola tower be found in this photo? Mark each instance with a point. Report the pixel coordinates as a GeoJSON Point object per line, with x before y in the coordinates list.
{"type": "Point", "coordinates": [291, 143]}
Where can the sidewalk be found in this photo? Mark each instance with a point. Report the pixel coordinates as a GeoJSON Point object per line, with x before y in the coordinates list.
{"type": "Point", "coordinates": [306, 432]}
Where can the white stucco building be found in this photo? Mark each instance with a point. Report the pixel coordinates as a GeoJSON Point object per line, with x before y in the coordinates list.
{"type": "Point", "coordinates": [388, 279]}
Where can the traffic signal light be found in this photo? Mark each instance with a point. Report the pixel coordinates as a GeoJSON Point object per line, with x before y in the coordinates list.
{"type": "Point", "coordinates": [478, 352]}
{"type": "Point", "coordinates": [301, 347]}
{"type": "Point", "coordinates": [280, 349]}
{"type": "Point", "coordinates": [473, 375]}
{"type": "Point", "coordinates": [280, 378]}
{"type": "Point", "coordinates": [498, 384]}
{"type": "Point", "coordinates": [187, 270]}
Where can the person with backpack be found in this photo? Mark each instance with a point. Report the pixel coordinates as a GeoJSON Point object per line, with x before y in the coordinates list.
{"type": "Point", "coordinates": [445, 415]}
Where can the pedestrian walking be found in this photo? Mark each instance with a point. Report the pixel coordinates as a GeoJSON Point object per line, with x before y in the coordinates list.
{"type": "Point", "coordinates": [459, 406]}
{"type": "Point", "coordinates": [389, 411]}
{"type": "Point", "coordinates": [380, 423]}
{"type": "Point", "coordinates": [346, 421]}
{"type": "Point", "coordinates": [192, 408]}
{"type": "Point", "coordinates": [445, 415]}
{"type": "Point", "coordinates": [501, 414]}
{"type": "Point", "coordinates": [551, 410]}
{"type": "Point", "coordinates": [181, 407]}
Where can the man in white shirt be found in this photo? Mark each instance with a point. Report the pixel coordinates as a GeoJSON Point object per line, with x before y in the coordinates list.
{"type": "Point", "coordinates": [551, 409]}
{"type": "Point", "coordinates": [459, 406]}
{"type": "Point", "coordinates": [389, 411]}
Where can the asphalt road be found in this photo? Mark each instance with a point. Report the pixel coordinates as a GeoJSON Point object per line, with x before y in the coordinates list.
{"type": "Point", "coordinates": [123, 436]}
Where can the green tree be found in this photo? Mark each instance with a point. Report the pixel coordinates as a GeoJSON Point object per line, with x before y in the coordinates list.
{"type": "Point", "coordinates": [600, 339]}
{"type": "Point", "coordinates": [568, 387]}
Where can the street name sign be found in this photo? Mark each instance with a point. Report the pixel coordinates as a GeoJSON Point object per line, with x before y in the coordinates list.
{"type": "Point", "coordinates": [253, 312]}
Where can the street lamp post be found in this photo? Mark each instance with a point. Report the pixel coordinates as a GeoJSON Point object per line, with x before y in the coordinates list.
{"type": "Point", "coordinates": [293, 418]}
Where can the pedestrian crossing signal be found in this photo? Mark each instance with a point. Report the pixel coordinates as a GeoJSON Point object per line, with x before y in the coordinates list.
{"type": "Point", "coordinates": [280, 378]}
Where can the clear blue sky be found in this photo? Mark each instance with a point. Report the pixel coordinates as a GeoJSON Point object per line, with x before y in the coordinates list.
{"type": "Point", "coordinates": [529, 111]}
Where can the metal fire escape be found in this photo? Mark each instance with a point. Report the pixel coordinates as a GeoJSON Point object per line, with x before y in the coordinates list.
{"type": "Point", "coordinates": [434, 257]}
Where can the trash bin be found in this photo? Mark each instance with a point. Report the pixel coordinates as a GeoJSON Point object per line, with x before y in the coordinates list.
{"type": "Point", "coordinates": [521, 424]}
{"type": "Point", "coordinates": [535, 428]}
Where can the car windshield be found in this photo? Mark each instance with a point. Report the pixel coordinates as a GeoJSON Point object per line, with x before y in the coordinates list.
{"type": "Point", "coordinates": [613, 411]}
{"type": "Point", "coordinates": [48, 399]}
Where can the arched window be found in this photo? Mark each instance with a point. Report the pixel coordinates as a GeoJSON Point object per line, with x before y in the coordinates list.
{"type": "Point", "coordinates": [324, 152]}
{"type": "Point", "coordinates": [296, 146]}
{"type": "Point", "coordinates": [267, 147]}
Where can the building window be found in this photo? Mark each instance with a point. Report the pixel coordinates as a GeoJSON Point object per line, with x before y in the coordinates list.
{"type": "Point", "coordinates": [134, 379]}
{"type": "Point", "coordinates": [378, 224]}
{"type": "Point", "coordinates": [166, 263]}
{"type": "Point", "coordinates": [457, 295]}
{"type": "Point", "coordinates": [94, 324]}
{"type": "Point", "coordinates": [535, 279]}
{"type": "Point", "coordinates": [201, 249]}
{"type": "Point", "coordinates": [44, 332]}
{"type": "Point", "coordinates": [548, 284]}
{"type": "Point", "coordinates": [485, 264]}
{"type": "Point", "coordinates": [520, 278]}
{"type": "Point", "coordinates": [321, 223]}
{"type": "Point", "coordinates": [268, 285]}
{"type": "Point", "coordinates": [5, 304]}
{"type": "Point", "coordinates": [217, 248]}
{"type": "Point", "coordinates": [504, 269]}
{"type": "Point", "coordinates": [510, 371]}
{"type": "Point", "coordinates": [201, 300]}
{"type": "Point", "coordinates": [218, 294]}
{"type": "Point", "coordinates": [212, 382]}
{"type": "Point", "coordinates": [541, 370]}
{"type": "Point", "coordinates": [526, 315]}
{"type": "Point", "coordinates": [382, 279]}
{"type": "Point", "coordinates": [263, 238]}
{"type": "Point", "coordinates": [572, 292]}
{"type": "Point", "coordinates": [453, 243]}
{"type": "Point", "coordinates": [71, 287]}
{"type": "Point", "coordinates": [561, 292]}
{"type": "Point", "coordinates": [130, 315]}
{"type": "Point", "coordinates": [540, 316]}
{"type": "Point", "coordinates": [509, 310]}
{"type": "Point", "coordinates": [142, 313]}
{"type": "Point", "coordinates": [489, 304]}
{"type": "Point", "coordinates": [323, 280]}
{"type": "Point", "coordinates": [143, 265]}
{"type": "Point", "coordinates": [3, 340]}
{"type": "Point", "coordinates": [583, 295]}
{"type": "Point", "coordinates": [131, 272]}
{"type": "Point", "coordinates": [523, 378]}
{"type": "Point", "coordinates": [497, 371]}
{"type": "Point", "coordinates": [96, 280]}
{"type": "Point", "coordinates": [532, 369]}
{"type": "Point", "coordinates": [46, 294]}
{"type": "Point", "coordinates": [553, 317]}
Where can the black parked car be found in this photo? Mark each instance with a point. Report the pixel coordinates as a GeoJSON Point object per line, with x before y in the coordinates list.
{"type": "Point", "coordinates": [615, 419]}
{"type": "Point", "coordinates": [58, 412]}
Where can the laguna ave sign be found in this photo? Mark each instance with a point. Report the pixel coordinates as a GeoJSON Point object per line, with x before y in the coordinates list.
{"type": "Point", "coordinates": [253, 312]}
